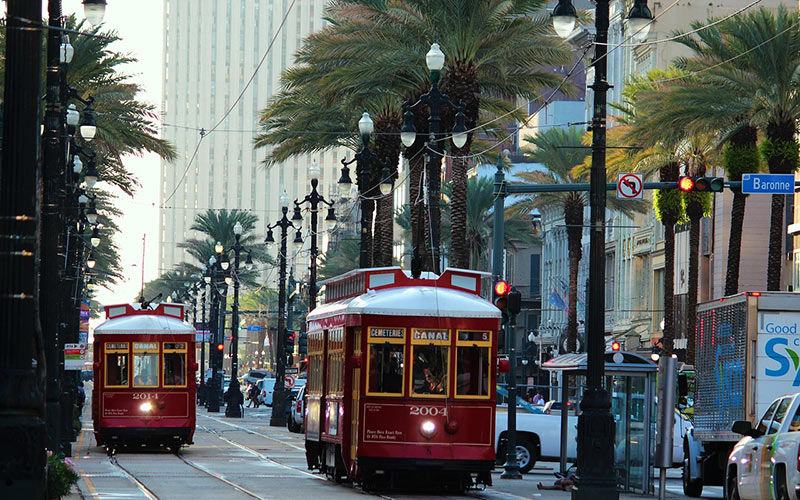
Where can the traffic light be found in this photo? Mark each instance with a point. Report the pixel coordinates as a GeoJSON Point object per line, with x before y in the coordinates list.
{"type": "Point", "coordinates": [514, 301]}
{"type": "Point", "coordinates": [501, 291]}
{"type": "Point", "coordinates": [220, 346]}
{"type": "Point", "coordinates": [701, 184]}
{"type": "Point", "coordinates": [289, 347]}
{"type": "Point", "coordinates": [302, 345]}
{"type": "Point", "coordinates": [615, 346]}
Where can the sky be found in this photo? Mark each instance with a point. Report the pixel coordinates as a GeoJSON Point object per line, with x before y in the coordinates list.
{"type": "Point", "coordinates": [139, 24]}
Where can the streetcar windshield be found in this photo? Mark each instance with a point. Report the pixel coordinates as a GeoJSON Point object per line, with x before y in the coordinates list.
{"type": "Point", "coordinates": [430, 369]}
{"type": "Point", "coordinates": [145, 364]}
{"type": "Point", "coordinates": [386, 368]}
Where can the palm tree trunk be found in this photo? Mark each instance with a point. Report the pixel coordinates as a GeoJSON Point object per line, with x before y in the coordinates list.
{"type": "Point", "coordinates": [780, 150]}
{"type": "Point", "coordinates": [461, 84]}
{"type": "Point", "coordinates": [458, 211]}
{"type": "Point", "coordinates": [775, 256]}
{"type": "Point", "coordinates": [695, 211]}
{"type": "Point", "coordinates": [573, 218]}
{"type": "Point", "coordinates": [418, 218]}
{"type": "Point", "coordinates": [384, 231]}
{"type": "Point", "coordinates": [735, 242]}
{"type": "Point", "coordinates": [387, 146]}
{"type": "Point", "coordinates": [740, 155]}
{"type": "Point", "coordinates": [668, 339]}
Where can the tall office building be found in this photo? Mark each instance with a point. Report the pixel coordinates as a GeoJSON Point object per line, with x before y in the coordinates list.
{"type": "Point", "coordinates": [212, 49]}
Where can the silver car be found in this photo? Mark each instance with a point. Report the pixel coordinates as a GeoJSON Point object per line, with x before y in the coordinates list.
{"type": "Point", "coordinates": [297, 412]}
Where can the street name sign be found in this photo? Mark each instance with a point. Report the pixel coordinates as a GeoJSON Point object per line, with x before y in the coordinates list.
{"type": "Point", "coordinates": [768, 183]}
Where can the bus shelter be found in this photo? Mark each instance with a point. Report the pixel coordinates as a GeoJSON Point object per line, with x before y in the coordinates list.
{"type": "Point", "coordinates": [630, 381]}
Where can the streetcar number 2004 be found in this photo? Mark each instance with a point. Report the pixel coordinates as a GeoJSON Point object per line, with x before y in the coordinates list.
{"type": "Point", "coordinates": [432, 411]}
{"type": "Point", "coordinates": [144, 395]}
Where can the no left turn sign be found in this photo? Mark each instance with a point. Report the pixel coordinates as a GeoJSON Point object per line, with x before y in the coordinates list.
{"type": "Point", "coordinates": [288, 381]}
{"type": "Point", "coordinates": [630, 186]}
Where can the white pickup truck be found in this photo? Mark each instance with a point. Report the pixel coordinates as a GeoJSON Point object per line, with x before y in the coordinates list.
{"type": "Point", "coordinates": [765, 463]}
{"type": "Point", "coordinates": [539, 437]}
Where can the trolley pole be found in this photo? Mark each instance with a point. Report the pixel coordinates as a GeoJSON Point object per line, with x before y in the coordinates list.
{"type": "Point", "coordinates": [202, 396]}
{"type": "Point", "coordinates": [212, 390]}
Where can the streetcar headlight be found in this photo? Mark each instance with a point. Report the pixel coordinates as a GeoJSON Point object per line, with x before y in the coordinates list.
{"type": "Point", "coordinates": [146, 407]}
{"type": "Point", "coordinates": [427, 429]}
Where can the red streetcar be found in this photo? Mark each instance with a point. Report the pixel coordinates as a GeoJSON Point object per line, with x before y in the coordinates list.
{"type": "Point", "coordinates": [144, 385]}
{"type": "Point", "coordinates": [401, 379]}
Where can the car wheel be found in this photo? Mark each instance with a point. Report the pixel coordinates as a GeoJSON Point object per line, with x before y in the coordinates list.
{"type": "Point", "coordinates": [526, 455]}
{"type": "Point", "coordinates": [293, 427]}
{"type": "Point", "coordinates": [691, 487]}
{"type": "Point", "coordinates": [732, 485]}
{"type": "Point", "coordinates": [781, 490]}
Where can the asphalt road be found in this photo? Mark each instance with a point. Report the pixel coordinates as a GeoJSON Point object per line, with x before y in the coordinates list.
{"type": "Point", "coordinates": [247, 459]}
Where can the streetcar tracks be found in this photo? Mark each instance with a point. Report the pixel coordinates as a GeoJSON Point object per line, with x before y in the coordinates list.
{"type": "Point", "coordinates": [131, 477]}
{"type": "Point", "coordinates": [219, 477]}
{"type": "Point", "coordinates": [251, 431]}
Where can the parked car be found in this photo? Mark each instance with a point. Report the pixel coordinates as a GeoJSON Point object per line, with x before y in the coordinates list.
{"type": "Point", "coordinates": [764, 463]}
{"type": "Point", "coordinates": [297, 413]}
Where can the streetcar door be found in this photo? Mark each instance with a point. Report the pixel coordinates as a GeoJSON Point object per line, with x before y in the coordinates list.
{"type": "Point", "coordinates": [355, 388]}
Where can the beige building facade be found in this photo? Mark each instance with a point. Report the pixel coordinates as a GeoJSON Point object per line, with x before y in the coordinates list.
{"type": "Point", "coordinates": [222, 63]}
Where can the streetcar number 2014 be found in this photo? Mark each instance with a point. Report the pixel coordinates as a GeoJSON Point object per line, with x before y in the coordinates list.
{"type": "Point", "coordinates": [144, 395]}
{"type": "Point", "coordinates": [432, 411]}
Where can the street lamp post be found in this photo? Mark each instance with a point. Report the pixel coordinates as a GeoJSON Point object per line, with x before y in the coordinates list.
{"type": "Point", "coordinates": [365, 160]}
{"type": "Point", "coordinates": [278, 417]}
{"type": "Point", "coordinates": [434, 99]}
{"type": "Point", "coordinates": [235, 400]}
{"type": "Point", "coordinates": [206, 279]}
{"type": "Point", "coordinates": [595, 477]}
{"type": "Point", "coordinates": [214, 357]}
{"type": "Point", "coordinates": [313, 199]}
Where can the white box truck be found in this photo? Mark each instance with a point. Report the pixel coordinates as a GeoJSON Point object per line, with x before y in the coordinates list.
{"type": "Point", "coordinates": [748, 353]}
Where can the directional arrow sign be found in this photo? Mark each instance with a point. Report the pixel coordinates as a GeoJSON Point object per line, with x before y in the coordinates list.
{"type": "Point", "coordinates": [768, 183]}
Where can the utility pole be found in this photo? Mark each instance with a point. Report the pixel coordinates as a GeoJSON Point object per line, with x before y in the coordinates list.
{"type": "Point", "coordinates": [22, 359]}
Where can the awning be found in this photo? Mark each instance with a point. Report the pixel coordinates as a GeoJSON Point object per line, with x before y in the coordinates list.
{"type": "Point", "coordinates": [616, 362]}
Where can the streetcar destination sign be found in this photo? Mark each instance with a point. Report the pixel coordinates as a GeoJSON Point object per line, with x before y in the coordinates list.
{"type": "Point", "coordinates": [768, 183]}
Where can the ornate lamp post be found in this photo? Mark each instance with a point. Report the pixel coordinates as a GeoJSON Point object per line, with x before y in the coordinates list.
{"type": "Point", "coordinates": [434, 99]}
{"type": "Point", "coordinates": [215, 279]}
{"type": "Point", "coordinates": [596, 478]}
{"type": "Point", "coordinates": [278, 417]}
{"type": "Point", "coordinates": [235, 400]}
{"type": "Point", "coordinates": [366, 161]}
{"type": "Point", "coordinates": [206, 280]}
{"type": "Point", "coordinates": [313, 199]}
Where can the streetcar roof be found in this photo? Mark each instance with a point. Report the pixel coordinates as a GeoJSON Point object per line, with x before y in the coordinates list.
{"type": "Point", "coordinates": [143, 323]}
{"type": "Point", "coordinates": [427, 301]}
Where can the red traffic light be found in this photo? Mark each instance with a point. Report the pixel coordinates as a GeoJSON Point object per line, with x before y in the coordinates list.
{"type": "Point", "coordinates": [501, 288]}
{"type": "Point", "coordinates": [220, 347]}
{"type": "Point", "coordinates": [615, 346]}
{"type": "Point", "coordinates": [686, 184]}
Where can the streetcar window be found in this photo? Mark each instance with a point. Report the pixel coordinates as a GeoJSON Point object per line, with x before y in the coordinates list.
{"type": "Point", "coordinates": [472, 371]}
{"type": "Point", "coordinates": [386, 368]}
{"type": "Point", "coordinates": [145, 364]}
{"type": "Point", "coordinates": [174, 364]}
{"type": "Point", "coordinates": [472, 363]}
{"type": "Point", "coordinates": [116, 364]}
{"type": "Point", "coordinates": [429, 369]}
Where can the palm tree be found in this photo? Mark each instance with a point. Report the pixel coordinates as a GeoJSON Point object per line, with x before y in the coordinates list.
{"type": "Point", "coordinates": [339, 258]}
{"type": "Point", "coordinates": [560, 151]}
{"type": "Point", "coordinates": [517, 226]}
{"type": "Point", "coordinates": [762, 85]}
{"type": "Point", "coordinates": [485, 43]}
{"type": "Point", "coordinates": [217, 226]}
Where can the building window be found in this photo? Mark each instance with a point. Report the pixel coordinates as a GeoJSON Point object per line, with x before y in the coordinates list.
{"type": "Point", "coordinates": [536, 275]}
